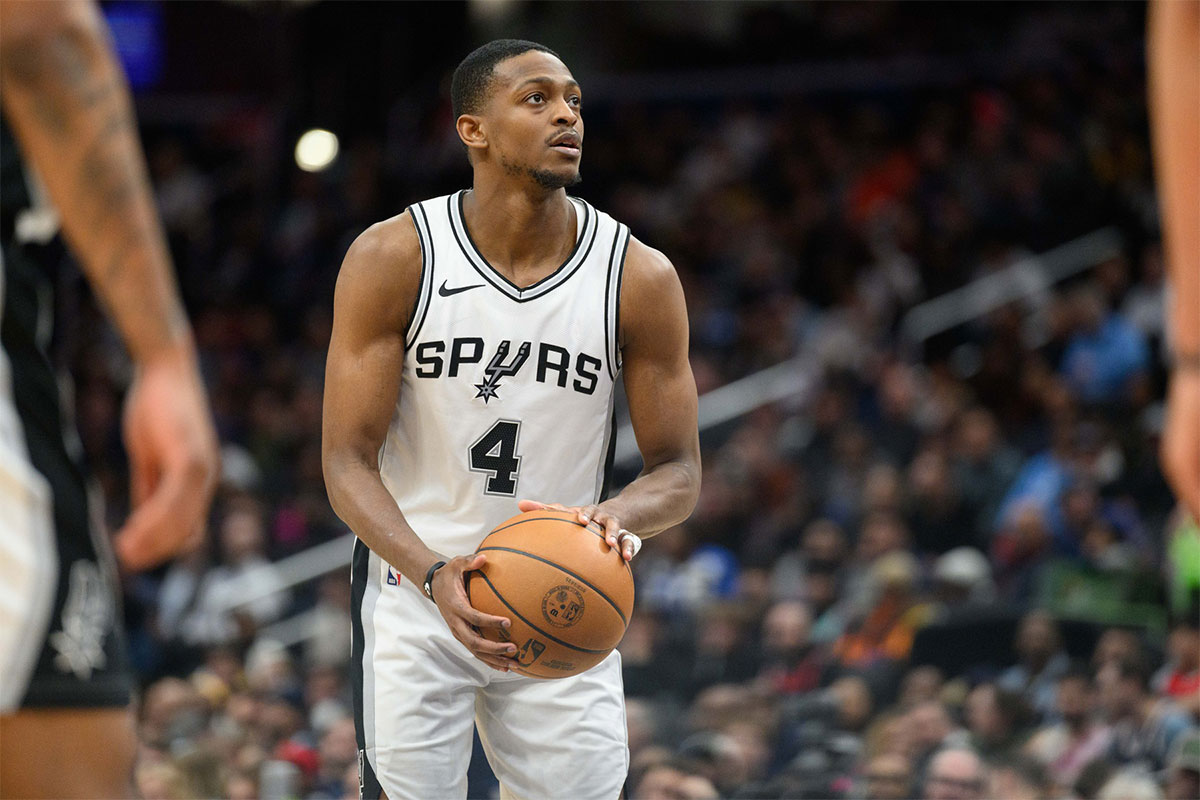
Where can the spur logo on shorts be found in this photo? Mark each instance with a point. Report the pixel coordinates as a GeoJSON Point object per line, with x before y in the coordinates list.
{"type": "Point", "coordinates": [563, 606]}
{"type": "Point", "coordinates": [87, 617]}
{"type": "Point", "coordinates": [530, 652]}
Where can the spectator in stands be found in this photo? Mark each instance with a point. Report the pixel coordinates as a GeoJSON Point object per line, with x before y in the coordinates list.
{"type": "Point", "coordinates": [1144, 727]}
{"type": "Point", "coordinates": [884, 635]}
{"type": "Point", "coordinates": [791, 664]}
{"type": "Point", "coordinates": [938, 514]}
{"type": "Point", "coordinates": [963, 581]}
{"type": "Point", "coordinates": [724, 648]}
{"type": "Point", "coordinates": [337, 752]}
{"type": "Point", "coordinates": [1183, 768]}
{"type": "Point", "coordinates": [929, 728]}
{"type": "Point", "coordinates": [1042, 661]}
{"type": "Point", "coordinates": [956, 774]}
{"type": "Point", "coordinates": [998, 720]}
{"type": "Point", "coordinates": [889, 776]}
{"type": "Point", "coordinates": [1016, 777]}
{"type": "Point", "coordinates": [984, 465]}
{"type": "Point", "coordinates": [1130, 784]}
{"type": "Point", "coordinates": [676, 779]}
{"type": "Point", "coordinates": [823, 547]}
{"type": "Point", "coordinates": [1180, 676]}
{"type": "Point", "coordinates": [920, 685]}
{"type": "Point", "coordinates": [214, 617]}
{"type": "Point", "coordinates": [1067, 746]}
{"type": "Point", "coordinates": [1115, 645]}
{"type": "Point", "coordinates": [1106, 355]}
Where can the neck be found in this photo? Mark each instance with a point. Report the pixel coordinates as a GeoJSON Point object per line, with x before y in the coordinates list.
{"type": "Point", "coordinates": [524, 231]}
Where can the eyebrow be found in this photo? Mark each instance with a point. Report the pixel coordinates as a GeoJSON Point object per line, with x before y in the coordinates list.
{"type": "Point", "coordinates": [544, 79]}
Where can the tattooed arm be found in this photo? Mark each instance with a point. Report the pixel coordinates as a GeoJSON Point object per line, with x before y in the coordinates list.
{"type": "Point", "coordinates": [70, 108]}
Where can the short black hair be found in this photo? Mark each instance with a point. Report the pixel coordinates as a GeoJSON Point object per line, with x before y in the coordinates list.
{"type": "Point", "coordinates": [473, 76]}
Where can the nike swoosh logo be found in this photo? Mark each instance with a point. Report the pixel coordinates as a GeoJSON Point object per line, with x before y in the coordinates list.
{"type": "Point", "coordinates": [444, 292]}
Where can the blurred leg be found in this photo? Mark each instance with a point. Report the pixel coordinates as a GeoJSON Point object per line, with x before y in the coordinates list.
{"type": "Point", "coordinates": [67, 753]}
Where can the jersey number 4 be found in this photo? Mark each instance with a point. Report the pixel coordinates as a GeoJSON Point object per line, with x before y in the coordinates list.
{"type": "Point", "coordinates": [495, 453]}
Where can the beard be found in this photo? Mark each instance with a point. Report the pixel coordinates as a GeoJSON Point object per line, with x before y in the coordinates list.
{"type": "Point", "coordinates": [552, 180]}
{"type": "Point", "coordinates": [544, 178]}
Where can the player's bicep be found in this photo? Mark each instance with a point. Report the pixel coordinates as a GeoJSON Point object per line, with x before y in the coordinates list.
{"type": "Point", "coordinates": [362, 383]}
{"type": "Point", "coordinates": [366, 351]}
{"type": "Point", "coordinates": [658, 377]}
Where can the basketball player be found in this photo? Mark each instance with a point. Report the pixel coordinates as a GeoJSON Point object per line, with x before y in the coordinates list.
{"type": "Point", "coordinates": [64, 686]}
{"type": "Point", "coordinates": [477, 340]}
{"type": "Point", "coordinates": [1174, 66]}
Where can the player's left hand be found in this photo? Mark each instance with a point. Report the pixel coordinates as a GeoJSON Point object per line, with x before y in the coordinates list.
{"type": "Point", "coordinates": [619, 539]}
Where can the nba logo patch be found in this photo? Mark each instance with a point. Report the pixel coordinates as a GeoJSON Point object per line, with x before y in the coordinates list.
{"type": "Point", "coordinates": [392, 579]}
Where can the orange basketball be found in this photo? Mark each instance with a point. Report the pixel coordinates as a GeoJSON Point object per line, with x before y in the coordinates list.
{"type": "Point", "coordinates": [567, 593]}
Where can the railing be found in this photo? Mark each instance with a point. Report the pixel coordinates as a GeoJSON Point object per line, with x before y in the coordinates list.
{"type": "Point", "coordinates": [1027, 277]}
{"type": "Point", "coordinates": [792, 378]}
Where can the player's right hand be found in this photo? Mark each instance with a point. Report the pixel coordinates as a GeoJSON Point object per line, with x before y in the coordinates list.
{"type": "Point", "coordinates": [172, 460]}
{"type": "Point", "coordinates": [450, 595]}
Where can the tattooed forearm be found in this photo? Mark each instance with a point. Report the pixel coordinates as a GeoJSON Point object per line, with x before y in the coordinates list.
{"type": "Point", "coordinates": [70, 108]}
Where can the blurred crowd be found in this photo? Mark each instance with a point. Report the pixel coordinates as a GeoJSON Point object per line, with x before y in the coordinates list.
{"type": "Point", "coordinates": [946, 568]}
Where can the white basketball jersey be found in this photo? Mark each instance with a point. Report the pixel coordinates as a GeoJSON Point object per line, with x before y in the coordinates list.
{"type": "Point", "coordinates": [507, 392]}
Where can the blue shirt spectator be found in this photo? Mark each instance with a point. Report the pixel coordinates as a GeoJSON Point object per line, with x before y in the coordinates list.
{"type": "Point", "coordinates": [1100, 361]}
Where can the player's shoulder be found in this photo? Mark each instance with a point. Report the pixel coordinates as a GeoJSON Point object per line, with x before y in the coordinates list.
{"type": "Point", "coordinates": [381, 272]}
{"type": "Point", "coordinates": [652, 302]}
{"type": "Point", "coordinates": [648, 269]}
{"type": "Point", "coordinates": [391, 242]}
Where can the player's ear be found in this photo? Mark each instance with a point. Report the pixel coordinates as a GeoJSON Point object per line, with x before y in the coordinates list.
{"type": "Point", "coordinates": [470, 130]}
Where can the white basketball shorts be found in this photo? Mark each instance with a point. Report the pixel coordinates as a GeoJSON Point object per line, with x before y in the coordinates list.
{"type": "Point", "coordinates": [419, 693]}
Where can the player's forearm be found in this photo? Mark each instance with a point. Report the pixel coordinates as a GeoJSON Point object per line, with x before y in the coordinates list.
{"type": "Point", "coordinates": [1175, 104]}
{"type": "Point", "coordinates": [660, 497]}
{"type": "Point", "coordinates": [70, 108]}
{"type": "Point", "coordinates": [360, 499]}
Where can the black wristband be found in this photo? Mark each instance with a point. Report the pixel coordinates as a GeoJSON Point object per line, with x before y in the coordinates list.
{"type": "Point", "coordinates": [427, 586]}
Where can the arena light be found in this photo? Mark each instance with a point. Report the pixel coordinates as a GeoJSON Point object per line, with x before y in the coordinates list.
{"type": "Point", "coordinates": [316, 149]}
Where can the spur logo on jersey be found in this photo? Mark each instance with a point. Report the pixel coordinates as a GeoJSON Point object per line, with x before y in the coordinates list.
{"type": "Point", "coordinates": [497, 369]}
{"type": "Point", "coordinates": [552, 364]}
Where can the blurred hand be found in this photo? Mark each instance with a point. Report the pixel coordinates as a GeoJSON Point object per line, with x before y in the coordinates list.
{"type": "Point", "coordinates": [1180, 447]}
{"type": "Point", "coordinates": [450, 595]}
{"type": "Point", "coordinates": [172, 461]}
{"type": "Point", "coordinates": [607, 521]}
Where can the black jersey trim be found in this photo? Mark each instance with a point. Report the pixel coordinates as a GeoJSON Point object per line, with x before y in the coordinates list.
{"type": "Point", "coordinates": [561, 275]}
{"type": "Point", "coordinates": [428, 257]}
{"type": "Point", "coordinates": [612, 302]}
{"type": "Point", "coordinates": [609, 458]}
{"type": "Point", "coordinates": [617, 301]}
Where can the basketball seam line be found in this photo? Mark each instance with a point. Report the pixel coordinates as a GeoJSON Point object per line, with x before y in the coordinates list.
{"type": "Point", "coordinates": [522, 617]}
{"type": "Point", "coordinates": [587, 527]}
{"type": "Point", "coordinates": [561, 568]}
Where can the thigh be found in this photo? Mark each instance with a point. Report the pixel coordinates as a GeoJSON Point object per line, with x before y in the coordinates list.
{"type": "Point", "coordinates": [33, 741]}
{"type": "Point", "coordinates": [414, 696]}
{"type": "Point", "coordinates": [557, 738]}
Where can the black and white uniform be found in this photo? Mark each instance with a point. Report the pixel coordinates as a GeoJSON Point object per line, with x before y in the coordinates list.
{"type": "Point", "coordinates": [60, 638]}
{"type": "Point", "coordinates": [506, 393]}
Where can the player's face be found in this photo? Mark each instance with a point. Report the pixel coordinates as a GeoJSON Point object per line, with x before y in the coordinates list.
{"type": "Point", "coordinates": [534, 119]}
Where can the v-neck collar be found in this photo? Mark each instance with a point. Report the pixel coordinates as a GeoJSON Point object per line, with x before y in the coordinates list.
{"type": "Point", "coordinates": [583, 247]}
